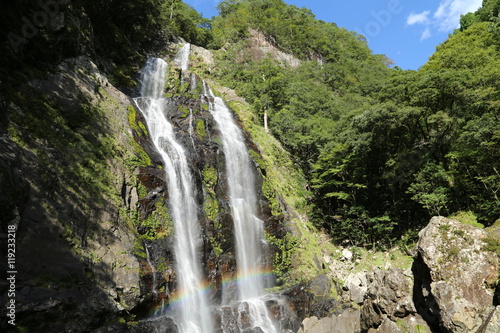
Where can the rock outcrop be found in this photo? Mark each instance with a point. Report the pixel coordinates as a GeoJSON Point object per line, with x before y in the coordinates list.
{"type": "Point", "coordinates": [262, 47]}
{"type": "Point", "coordinates": [388, 297]}
{"type": "Point", "coordinates": [455, 277]}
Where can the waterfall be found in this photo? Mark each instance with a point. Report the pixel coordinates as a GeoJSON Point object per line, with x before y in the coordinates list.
{"type": "Point", "coordinates": [182, 57]}
{"type": "Point", "coordinates": [191, 128]}
{"type": "Point", "coordinates": [152, 267]}
{"type": "Point", "coordinates": [249, 230]}
{"type": "Point", "coordinates": [193, 312]}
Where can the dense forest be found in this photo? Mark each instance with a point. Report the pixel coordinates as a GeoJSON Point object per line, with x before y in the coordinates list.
{"type": "Point", "coordinates": [383, 149]}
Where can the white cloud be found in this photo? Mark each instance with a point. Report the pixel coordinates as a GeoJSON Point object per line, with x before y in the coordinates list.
{"type": "Point", "coordinates": [445, 18]}
{"type": "Point", "coordinates": [421, 18]}
{"type": "Point", "coordinates": [447, 15]}
{"type": "Point", "coordinates": [426, 34]}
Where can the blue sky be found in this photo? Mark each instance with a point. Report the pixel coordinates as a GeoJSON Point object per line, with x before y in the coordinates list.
{"type": "Point", "coordinates": [406, 31]}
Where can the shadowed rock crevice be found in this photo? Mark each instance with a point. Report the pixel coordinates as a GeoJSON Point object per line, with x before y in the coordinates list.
{"type": "Point", "coordinates": [424, 301]}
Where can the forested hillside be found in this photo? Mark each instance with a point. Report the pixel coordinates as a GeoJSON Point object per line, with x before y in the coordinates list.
{"type": "Point", "coordinates": [383, 148]}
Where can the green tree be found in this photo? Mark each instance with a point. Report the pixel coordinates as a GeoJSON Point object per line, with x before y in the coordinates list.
{"type": "Point", "coordinates": [430, 188]}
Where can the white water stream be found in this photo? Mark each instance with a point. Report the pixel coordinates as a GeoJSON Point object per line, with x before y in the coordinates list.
{"type": "Point", "coordinates": [182, 57]}
{"type": "Point", "coordinates": [192, 315]}
{"type": "Point", "coordinates": [152, 267]}
{"type": "Point", "coordinates": [249, 230]}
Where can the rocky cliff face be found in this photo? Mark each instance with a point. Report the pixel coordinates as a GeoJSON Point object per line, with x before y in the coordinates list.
{"type": "Point", "coordinates": [196, 130]}
{"type": "Point", "coordinates": [64, 149]}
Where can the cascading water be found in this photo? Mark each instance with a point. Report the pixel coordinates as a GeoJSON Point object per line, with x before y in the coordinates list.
{"type": "Point", "coordinates": [182, 57]}
{"type": "Point", "coordinates": [153, 270]}
{"type": "Point", "coordinates": [249, 230]}
{"type": "Point", "coordinates": [193, 312]}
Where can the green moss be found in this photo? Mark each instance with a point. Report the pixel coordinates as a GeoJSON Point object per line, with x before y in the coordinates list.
{"type": "Point", "coordinates": [257, 159]}
{"type": "Point", "coordinates": [184, 87]}
{"type": "Point", "coordinates": [136, 125]}
{"type": "Point", "coordinates": [269, 192]}
{"type": "Point", "coordinates": [444, 227]}
{"type": "Point", "coordinates": [142, 191]}
{"type": "Point", "coordinates": [198, 66]}
{"type": "Point", "coordinates": [282, 262]}
{"type": "Point", "coordinates": [492, 244]}
{"type": "Point", "coordinates": [162, 264]}
{"type": "Point", "coordinates": [138, 249]}
{"type": "Point", "coordinates": [211, 207]}
{"type": "Point", "coordinates": [368, 260]}
{"type": "Point", "coordinates": [453, 252]}
{"type": "Point", "coordinates": [200, 128]}
{"type": "Point", "coordinates": [467, 218]}
{"type": "Point", "coordinates": [406, 328]}
{"type": "Point", "coordinates": [139, 157]}
{"type": "Point", "coordinates": [216, 248]}
{"type": "Point", "coordinates": [173, 80]}
{"type": "Point", "coordinates": [159, 224]}
{"type": "Point", "coordinates": [210, 176]}
{"type": "Point", "coordinates": [421, 329]}
{"type": "Point", "coordinates": [185, 111]}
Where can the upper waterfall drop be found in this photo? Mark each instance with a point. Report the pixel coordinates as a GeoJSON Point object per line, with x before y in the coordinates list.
{"type": "Point", "coordinates": [193, 312]}
{"type": "Point", "coordinates": [153, 78]}
{"type": "Point", "coordinates": [182, 57]}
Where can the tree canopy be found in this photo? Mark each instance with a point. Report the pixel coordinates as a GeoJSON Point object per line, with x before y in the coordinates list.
{"type": "Point", "coordinates": [383, 148]}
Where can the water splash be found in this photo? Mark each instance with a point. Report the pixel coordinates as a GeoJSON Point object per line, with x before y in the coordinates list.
{"type": "Point", "coordinates": [194, 314]}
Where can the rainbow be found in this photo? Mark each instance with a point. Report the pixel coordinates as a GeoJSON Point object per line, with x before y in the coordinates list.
{"type": "Point", "coordinates": [261, 274]}
{"type": "Point", "coordinates": [179, 297]}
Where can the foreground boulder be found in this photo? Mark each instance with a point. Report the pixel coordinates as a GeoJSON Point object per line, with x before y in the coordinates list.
{"type": "Point", "coordinates": [347, 321]}
{"type": "Point", "coordinates": [455, 278]}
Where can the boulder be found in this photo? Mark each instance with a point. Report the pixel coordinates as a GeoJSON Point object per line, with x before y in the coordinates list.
{"type": "Point", "coordinates": [492, 325]}
{"type": "Point", "coordinates": [347, 321]}
{"type": "Point", "coordinates": [455, 277]}
{"type": "Point", "coordinates": [410, 324]}
{"type": "Point", "coordinates": [356, 286]}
